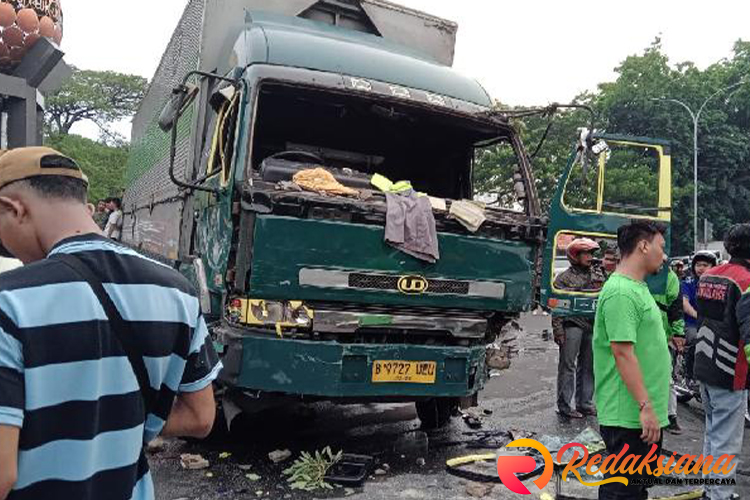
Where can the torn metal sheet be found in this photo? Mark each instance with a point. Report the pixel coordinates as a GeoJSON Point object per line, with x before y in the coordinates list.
{"type": "Point", "coordinates": [498, 223]}
{"type": "Point", "coordinates": [350, 322]}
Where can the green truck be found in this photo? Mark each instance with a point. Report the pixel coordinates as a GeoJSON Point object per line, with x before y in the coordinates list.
{"type": "Point", "coordinates": [304, 298]}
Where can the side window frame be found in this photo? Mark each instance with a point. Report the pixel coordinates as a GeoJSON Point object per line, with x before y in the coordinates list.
{"type": "Point", "coordinates": [664, 197]}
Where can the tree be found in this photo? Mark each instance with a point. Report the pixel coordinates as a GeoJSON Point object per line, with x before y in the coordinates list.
{"type": "Point", "coordinates": [627, 106]}
{"type": "Point", "coordinates": [104, 165]}
{"type": "Point", "coordinates": [102, 97]}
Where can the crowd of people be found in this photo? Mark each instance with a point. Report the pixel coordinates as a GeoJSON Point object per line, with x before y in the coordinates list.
{"type": "Point", "coordinates": [618, 364]}
{"type": "Point", "coordinates": [108, 216]}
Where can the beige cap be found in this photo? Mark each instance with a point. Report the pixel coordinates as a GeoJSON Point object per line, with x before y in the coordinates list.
{"type": "Point", "coordinates": [22, 163]}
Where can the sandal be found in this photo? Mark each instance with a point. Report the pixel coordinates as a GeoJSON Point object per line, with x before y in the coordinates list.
{"type": "Point", "coordinates": [570, 414]}
{"type": "Point", "coordinates": [588, 412]}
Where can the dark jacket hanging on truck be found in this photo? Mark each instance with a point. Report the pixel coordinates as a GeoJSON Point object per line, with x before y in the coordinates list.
{"type": "Point", "coordinates": [410, 225]}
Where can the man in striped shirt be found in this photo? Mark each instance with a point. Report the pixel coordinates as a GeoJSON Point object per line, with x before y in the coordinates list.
{"type": "Point", "coordinates": [73, 416]}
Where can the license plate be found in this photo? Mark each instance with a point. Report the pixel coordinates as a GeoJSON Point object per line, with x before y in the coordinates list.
{"type": "Point", "coordinates": [414, 372]}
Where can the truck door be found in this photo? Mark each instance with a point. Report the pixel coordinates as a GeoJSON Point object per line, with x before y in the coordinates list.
{"type": "Point", "coordinates": [624, 178]}
{"type": "Point", "coordinates": [221, 151]}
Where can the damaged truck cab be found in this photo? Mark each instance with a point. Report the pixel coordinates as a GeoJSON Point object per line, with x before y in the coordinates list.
{"type": "Point", "coordinates": [304, 297]}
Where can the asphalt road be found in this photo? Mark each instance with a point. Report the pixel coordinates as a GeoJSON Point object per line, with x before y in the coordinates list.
{"type": "Point", "coordinates": [520, 399]}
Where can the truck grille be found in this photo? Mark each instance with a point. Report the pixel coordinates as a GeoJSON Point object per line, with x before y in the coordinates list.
{"type": "Point", "coordinates": [406, 284]}
{"type": "Point", "coordinates": [386, 282]}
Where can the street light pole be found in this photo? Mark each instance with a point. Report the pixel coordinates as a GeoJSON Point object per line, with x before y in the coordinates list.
{"type": "Point", "coordinates": [696, 118]}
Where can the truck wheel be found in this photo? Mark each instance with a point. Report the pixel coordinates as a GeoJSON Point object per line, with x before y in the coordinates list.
{"type": "Point", "coordinates": [435, 413]}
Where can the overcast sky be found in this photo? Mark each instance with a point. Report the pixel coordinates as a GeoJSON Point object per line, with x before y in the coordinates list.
{"type": "Point", "coordinates": [523, 52]}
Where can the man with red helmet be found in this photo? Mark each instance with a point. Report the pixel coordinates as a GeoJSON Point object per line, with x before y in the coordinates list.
{"type": "Point", "coordinates": [573, 334]}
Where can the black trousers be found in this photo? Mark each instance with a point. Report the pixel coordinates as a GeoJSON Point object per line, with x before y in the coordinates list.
{"type": "Point", "coordinates": [615, 438]}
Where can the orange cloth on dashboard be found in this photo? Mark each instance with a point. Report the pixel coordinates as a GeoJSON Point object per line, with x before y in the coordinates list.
{"type": "Point", "coordinates": [322, 181]}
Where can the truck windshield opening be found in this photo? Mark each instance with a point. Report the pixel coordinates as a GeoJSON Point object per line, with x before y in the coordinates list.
{"type": "Point", "coordinates": [432, 149]}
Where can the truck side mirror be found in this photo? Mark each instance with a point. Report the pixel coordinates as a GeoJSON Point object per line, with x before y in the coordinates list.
{"type": "Point", "coordinates": [182, 97]}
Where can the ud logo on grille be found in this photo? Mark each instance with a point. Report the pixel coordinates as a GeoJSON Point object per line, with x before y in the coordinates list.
{"type": "Point", "coordinates": [412, 285]}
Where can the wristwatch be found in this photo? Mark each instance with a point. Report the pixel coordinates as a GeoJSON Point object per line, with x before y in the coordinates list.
{"type": "Point", "coordinates": [643, 404]}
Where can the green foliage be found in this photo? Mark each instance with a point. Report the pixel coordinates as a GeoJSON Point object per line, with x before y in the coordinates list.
{"type": "Point", "coordinates": [308, 472]}
{"type": "Point", "coordinates": [104, 165]}
{"type": "Point", "coordinates": [493, 174]}
{"type": "Point", "coordinates": [631, 181]}
{"type": "Point", "coordinates": [102, 97]}
{"type": "Point", "coordinates": [629, 105]}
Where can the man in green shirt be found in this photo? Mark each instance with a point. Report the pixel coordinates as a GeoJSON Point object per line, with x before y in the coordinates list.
{"type": "Point", "coordinates": [632, 366]}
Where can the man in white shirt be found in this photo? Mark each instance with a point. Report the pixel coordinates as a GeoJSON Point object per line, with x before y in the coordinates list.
{"type": "Point", "coordinates": [113, 229]}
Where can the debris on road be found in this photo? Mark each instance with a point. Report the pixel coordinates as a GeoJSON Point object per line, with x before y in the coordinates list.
{"type": "Point", "coordinates": [489, 439]}
{"type": "Point", "coordinates": [252, 477]}
{"type": "Point", "coordinates": [224, 455]}
{"type": "Point", "coordinates": [193, 462]}
{"type": "Point", "coordinates": [472, 422]}
{"type": "Point", "coordinates": [482, 468]}
{"type": "Point", "coordinates": [498, 357]}
{"type": "Point", "coordinates": [473, 418]}
{"type": "Point", "coordinates": [519, 434]}
{"type": "Point", "coordinates": [244, 467]}
{"type": "Point", "coordinates": [156, 445]}
{"type": "Point", "coordinates": [481, 439]}
{"type": "Point", "coordinates": [588, 437]}
{"type": "Point", "coordinates": [279, 455]}
{"type": "Point", "coordinates": [479, 490]}
{"type": "Point", "coordinates": [380, 472]}
{"type": "Point", "coordinates": [209, 474]}
{"type": "Point", "coordinates": [412, 444]}
{"type": "Point", "coordinates": [350, 470]}
{"type": "Point", "coordinates": [412, 494]}
{"type": "Point", "coordinates": [308, 472]}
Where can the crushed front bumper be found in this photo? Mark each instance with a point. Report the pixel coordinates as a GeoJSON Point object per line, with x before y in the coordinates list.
{"type": "Point", "coordinates": [256, 361]}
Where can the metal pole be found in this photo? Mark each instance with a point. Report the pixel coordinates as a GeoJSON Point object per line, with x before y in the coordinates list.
{"type": "Point", "coordinates": [696, 118]}
{"type": "Point", "coordinates": [695, 182]}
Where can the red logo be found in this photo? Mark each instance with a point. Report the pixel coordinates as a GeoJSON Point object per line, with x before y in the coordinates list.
{"type": "Point", "coordinates": [509, 466]}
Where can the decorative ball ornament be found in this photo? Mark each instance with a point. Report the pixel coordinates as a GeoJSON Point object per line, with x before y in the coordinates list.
{"type": "Point", "coordinates": [22, 24]}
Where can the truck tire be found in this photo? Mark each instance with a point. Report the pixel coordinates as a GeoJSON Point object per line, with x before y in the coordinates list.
{"type": "Point", "coordinates": [435, 413]}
